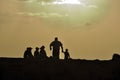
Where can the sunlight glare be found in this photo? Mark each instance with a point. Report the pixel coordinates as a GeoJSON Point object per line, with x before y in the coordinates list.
{"type": "Point", "coordinates": [67, 2]}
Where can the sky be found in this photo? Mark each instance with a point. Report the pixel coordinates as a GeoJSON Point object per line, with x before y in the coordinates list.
{"type": "Point", "coordinates": [90, 29]}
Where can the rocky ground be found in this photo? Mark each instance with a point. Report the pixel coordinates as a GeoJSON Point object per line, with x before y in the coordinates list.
{"type": "Point", "coordinates": [49, 69]}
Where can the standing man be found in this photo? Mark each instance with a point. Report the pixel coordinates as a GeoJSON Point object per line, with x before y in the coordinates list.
{"type": "Point", "coordinates": [55, 47]}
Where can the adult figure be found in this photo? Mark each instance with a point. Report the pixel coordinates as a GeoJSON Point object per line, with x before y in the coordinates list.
{"type": "Point", "coordinates": [43, 54]}
{"type": "Point", "coordinates": [55, 47]}
{"type": "Point", "coordinates": [36, 53]}
{"type": "Point", "coordinates": [28, 53]}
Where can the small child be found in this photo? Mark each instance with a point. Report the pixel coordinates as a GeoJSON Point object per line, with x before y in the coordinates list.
{"type": "Point", "coordinates": [66, 54]}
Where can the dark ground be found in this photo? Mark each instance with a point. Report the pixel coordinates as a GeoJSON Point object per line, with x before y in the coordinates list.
{"type": "Point", "coordinates": [33, 69]}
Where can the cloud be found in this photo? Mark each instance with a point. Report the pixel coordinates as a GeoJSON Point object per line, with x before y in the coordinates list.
{"type": "Point", "coordinates": [92, 6]}
{"type": "Point", "coordinates": [27, 0]}
{"type": "Point", "coordinates": [42, 14]}
{"type": "Point", "coordinates": [59, 2]}
{"type": "Point", "coordinates": [54, 2]}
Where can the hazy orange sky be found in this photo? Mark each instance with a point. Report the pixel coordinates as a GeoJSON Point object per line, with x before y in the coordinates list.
{"type": "Point", "coordinates": [95, 40]}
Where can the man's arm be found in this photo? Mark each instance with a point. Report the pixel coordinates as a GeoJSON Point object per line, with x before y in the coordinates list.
{"type": "Point", "coordinates": [62, 47]}
{"type": "Point", "coordinates": [50, 46]}
{"type": "Point", "coordinates": [68, 54]}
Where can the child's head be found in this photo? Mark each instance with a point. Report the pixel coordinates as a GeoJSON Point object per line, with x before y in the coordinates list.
{"type": "Point", "coordinates": [66, 50]}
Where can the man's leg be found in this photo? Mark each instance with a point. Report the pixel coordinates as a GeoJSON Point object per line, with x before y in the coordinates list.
{"type": "Point", "coordinates": [56, 54]}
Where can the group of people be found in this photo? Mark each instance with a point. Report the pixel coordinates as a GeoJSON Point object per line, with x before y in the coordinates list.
{"type": "Point", "coordinates": [54, 46]}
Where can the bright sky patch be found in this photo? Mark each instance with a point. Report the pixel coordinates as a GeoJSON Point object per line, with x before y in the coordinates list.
{"type": "Point", "coordinates": [67, 12]}
{"type": "Point", "coordinates": [67, 2]}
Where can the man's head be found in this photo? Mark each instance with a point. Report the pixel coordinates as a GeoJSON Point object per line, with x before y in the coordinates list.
{"type": "Point", "coordinates": [56, 38]}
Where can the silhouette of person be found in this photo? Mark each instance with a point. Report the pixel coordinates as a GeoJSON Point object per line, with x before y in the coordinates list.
{"type": "Point", "coordinates": [36, 53]}
{"type": "Point", "coordinates": [28, 53]}
{"type": "Point", "coordinates": [55, 47]}
{"type": "Point", "coordinates": [43, 54]}
{"type": "Point", "coordinates": [66, 54]}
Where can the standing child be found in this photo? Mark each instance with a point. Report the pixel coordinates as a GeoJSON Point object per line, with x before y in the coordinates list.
{"type": "Point", "coordinates": [66, 54]}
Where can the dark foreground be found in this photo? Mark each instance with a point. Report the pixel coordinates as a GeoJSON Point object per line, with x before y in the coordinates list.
{"type": "Point", "coordinates": [33, 69]}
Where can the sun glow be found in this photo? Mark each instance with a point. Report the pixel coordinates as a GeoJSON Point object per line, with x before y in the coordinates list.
{"type": "Point", "coordinates": [75, 13]}
{"type": "Point", "coordinates": [67, 2]}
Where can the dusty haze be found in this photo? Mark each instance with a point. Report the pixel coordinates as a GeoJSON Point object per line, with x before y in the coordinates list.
{"type": "Point", "coordinates": [97, 40]}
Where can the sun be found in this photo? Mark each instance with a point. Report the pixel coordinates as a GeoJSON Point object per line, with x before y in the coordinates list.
{"type": "Point", "coordinates": [71, 2]}
{"type": "Point", "coordinates": [67, 2]}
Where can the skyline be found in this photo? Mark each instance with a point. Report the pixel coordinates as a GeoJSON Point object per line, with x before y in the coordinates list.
{"type": "Point", "coordinates": [85, 39]}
